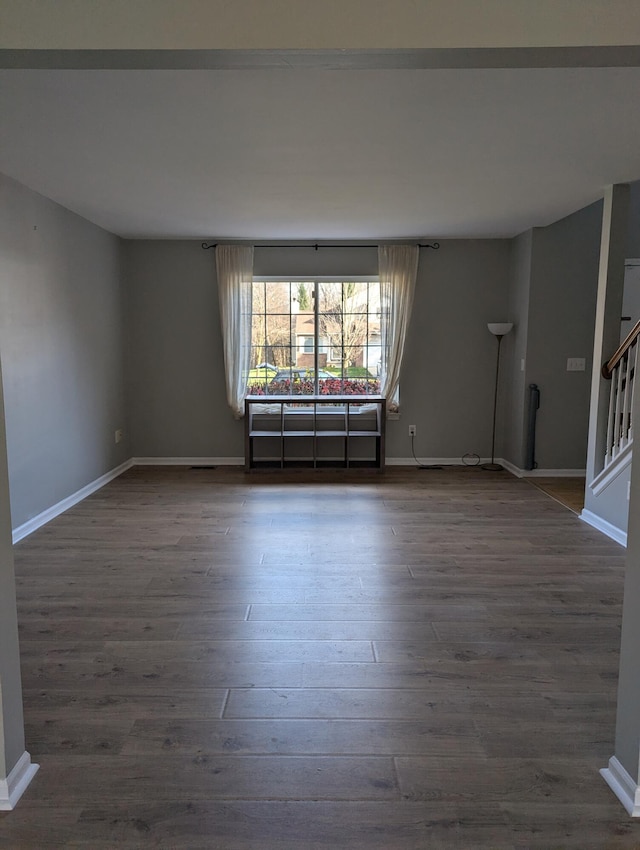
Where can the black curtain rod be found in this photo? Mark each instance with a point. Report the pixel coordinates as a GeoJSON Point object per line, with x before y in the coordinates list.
{"type": "Point", "coordinates": [316, 246]}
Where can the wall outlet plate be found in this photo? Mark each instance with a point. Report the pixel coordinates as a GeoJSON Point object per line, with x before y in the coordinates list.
{"type": "Point", "coordinates": [576, 364]}
{"type": "Point", "coordinates": [412, 430]}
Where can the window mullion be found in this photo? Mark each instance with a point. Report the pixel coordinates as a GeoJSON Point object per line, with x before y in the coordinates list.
{"type": "Point", "coordinates": [293, 338]}
{"type": "Point", "coordinates": [366, 353]}
{"type": "Point", "coordinates": [343, 351]}
{"type": "Point", "coordinates": [265, 350]}
{"type": "Point", "coordinates": [316, 337]}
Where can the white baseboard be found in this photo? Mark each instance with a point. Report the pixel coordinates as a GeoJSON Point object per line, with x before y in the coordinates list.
{"type": "Point", "coordinates": [623, 786]}
{"type": "Point", "coordinates": [16, 783]}
{"type": "Point", "coordinates": [605, 527]}
{"type": "Point", "coordinates": [187, 461]}
{"type": "Point", "coordinates": [542, 473]}
{"type": "Point", "coordinates": [55, 510]}
{"type": "Point", "coordinates": [389, 461]}
{"type": "Point", "coordinates": [431, 461]}
{"type": "Point", "coordinates": [554, 473]}
{"type": "Point", "coordinates": [514, 470]}
{"type": "Point", "coordinates": [509, 467]}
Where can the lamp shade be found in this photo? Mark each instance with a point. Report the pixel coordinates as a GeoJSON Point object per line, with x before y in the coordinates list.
{"type": "Point", "coordinates": [500, 328]}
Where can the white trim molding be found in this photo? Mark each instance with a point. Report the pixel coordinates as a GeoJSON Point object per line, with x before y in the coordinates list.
{"type": "Point", "coordinates": [187, 461]}
{"type": "Point", "coordinates": [510, 467]}
{"type": "Point", "coordinates": [605, 527]}
{"type": "Point", "coordinates": [611, 472]}
{"type": "Point", "coordinates": [55, 510]}
{"type": "Point", "coordinates": [431, 461]}
{"type": "Point", "coordinates": [542, 473]}
{"type": "Point", "coordinates": [16, 783]}
{"type": "Point", "coordinates": [623, 786]}
{"type": "Point", "coordinates": [554, 473]}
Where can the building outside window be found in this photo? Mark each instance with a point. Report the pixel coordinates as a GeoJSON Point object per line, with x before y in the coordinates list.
{"type": "Point", "coordinates": [318, 336]}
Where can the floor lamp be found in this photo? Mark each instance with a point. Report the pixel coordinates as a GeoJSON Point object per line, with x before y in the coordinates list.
{"type": "Point", "coordinates": [498, 329]}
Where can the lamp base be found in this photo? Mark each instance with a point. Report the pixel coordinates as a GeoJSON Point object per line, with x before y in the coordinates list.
{"type": "Point", "coordinates": [492, 467]}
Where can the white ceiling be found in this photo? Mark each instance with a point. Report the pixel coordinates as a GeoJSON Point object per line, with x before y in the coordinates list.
{"type": "Point", "coordinates": [321, 154]}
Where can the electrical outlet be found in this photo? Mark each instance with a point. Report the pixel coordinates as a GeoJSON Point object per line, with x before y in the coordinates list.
{"type": "Point", "coordinates": [412, 430]}
{"type": "Point", "coordinates": [119, 435]}
{"type": "Point", "coordinates": [576, 364]}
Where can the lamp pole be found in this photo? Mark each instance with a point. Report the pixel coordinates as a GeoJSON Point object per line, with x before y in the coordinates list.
{"type": "Point", "coordinates": [498, 329]}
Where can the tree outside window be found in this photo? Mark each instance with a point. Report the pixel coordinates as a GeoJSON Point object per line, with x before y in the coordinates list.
{"type": "Point", "coordinates": [315, 337]}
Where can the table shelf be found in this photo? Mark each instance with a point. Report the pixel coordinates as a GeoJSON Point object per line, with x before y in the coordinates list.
{"type": "Point", "coordinates": [329, 431]}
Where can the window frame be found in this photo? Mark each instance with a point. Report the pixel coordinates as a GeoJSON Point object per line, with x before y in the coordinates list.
{"type": "Point", "coordinates": [320, 346]}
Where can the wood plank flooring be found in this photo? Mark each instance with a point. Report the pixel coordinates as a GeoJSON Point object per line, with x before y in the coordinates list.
{"type": "Point", "coordinates": [568, 491]}
{"type": "Point", "coordinates": [424, 659]}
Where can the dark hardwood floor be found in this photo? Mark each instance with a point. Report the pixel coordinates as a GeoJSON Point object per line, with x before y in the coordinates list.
{"type": "Point", "coordinates": [422, 659]}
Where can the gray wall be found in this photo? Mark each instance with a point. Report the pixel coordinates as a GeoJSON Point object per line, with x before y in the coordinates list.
{"type": "Point", "coordinates": [176, 383]}
{"type": "Point", "coordinates": [11, 717]}
{"type": "Point", "coordinates": [448, 376]}
{"type": "Point", "coordinates": [175, 376]}
{"type": "Point", "coordinates": [562, 306]}
{"type": "Point", "coordinates": [552, 299]}
{"type": "Point", "coordinates": [513, 386]}
{"type": "Point", "coordinates": [633, 236]}
{"type": "Point", "coordinates": [62, 346]}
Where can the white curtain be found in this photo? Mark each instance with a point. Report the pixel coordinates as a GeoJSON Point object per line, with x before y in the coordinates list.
{"type": "Point", "coordinates": [234, 267]}
{"type": "Point", "coordinates": [398, 268]}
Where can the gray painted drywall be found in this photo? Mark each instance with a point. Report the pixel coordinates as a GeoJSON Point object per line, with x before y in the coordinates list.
{"type": "Point", "coordinates": [307, 262]}
{"type": "Point", "coordinates": [562, 304]}
{"type": "Point", "coordinates": [447, 380]}
{"type": "Point", "coordinates": [176, 389]}
{"type": "Point", "coordinates": [612, 503]}
{"type": "Point", "coordinates": [176, 384]}
{"type": "Point", "coordinates": [62, 345]}
{"type": "Point", "coordinates": [633, 227]}
{"type": "Point", "coordinates": [11, 718]}
{"type": "Point", "coordinates": [630, 299]}
{"type": "Point", "coordinates": [513, 417]}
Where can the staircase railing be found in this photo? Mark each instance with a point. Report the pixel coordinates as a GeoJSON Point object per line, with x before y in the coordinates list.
{"type": "Point", "coordinates": [621, 371]}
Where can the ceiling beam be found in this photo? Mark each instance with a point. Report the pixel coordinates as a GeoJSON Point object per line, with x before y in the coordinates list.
{"type": "Point", "coordinates": [309, 25]}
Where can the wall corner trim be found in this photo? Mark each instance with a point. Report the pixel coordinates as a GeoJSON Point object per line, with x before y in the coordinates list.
{"type": "Point", "coordinates": [55, 510]}
{"type": "Point", "coordinates": [510, 467]}
{"type": "Point", "coordinates": [16, 783]}
{"type": "Point", "coordinates": [605, 527]}
{"type": "Point", "coordinates": [623, 786]}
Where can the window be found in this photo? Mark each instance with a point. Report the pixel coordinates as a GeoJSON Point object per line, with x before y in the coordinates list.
{"type": "Point", "coordinates": [260, 317]}
{"type": "Point", "coordinates": [317, 336]}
